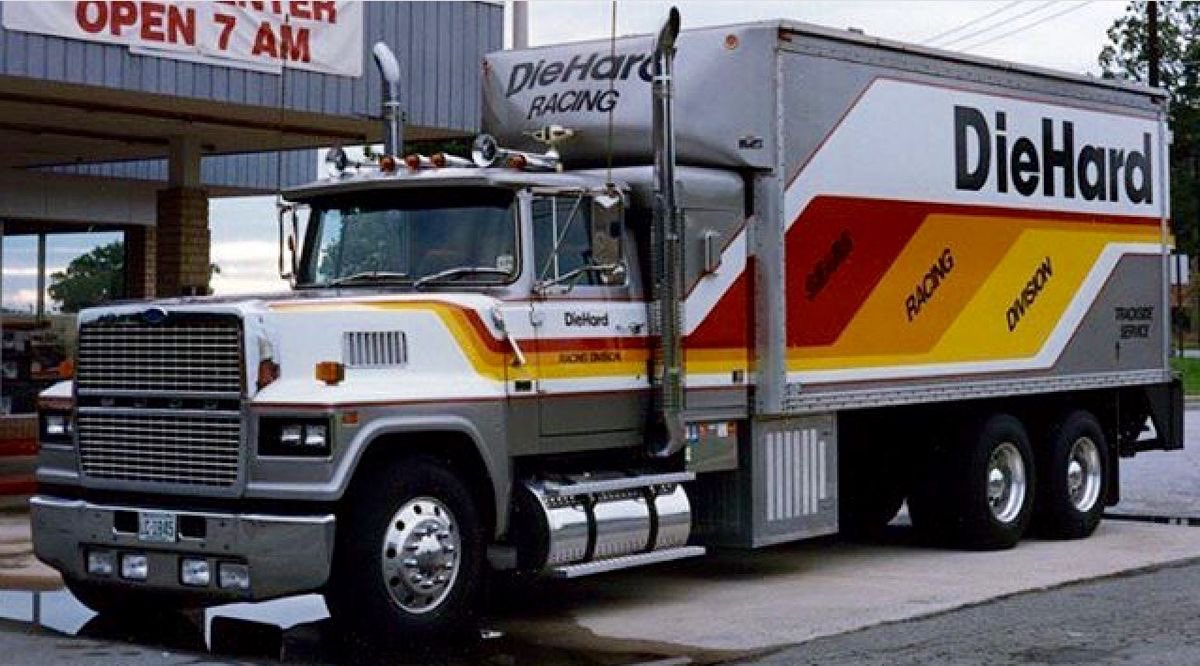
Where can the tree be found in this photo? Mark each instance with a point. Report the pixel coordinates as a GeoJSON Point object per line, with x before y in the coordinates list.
{"type": "Point", "coordinates": [1179, 70]}
{"type": "Point", "coordinates": [91, 279]}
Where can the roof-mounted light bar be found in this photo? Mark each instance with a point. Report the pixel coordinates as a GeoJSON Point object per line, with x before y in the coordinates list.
{"type": "Point", "coordinates": [486, 152]}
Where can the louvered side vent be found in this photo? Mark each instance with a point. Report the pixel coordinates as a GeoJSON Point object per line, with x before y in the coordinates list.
{"type": "Point", "coordinates": [374, 349]}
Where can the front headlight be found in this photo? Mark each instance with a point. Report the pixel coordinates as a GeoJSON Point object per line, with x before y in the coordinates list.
{"type": "Point", "coordinates": [55, 426]}
{"type": "Point", "coordinates": [284, 436]}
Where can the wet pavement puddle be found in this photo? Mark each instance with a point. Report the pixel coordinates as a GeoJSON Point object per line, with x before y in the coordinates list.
{"type": "Point", "coordinates": [290, 630]}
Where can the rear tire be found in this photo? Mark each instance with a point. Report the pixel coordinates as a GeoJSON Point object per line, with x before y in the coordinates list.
{"type": "Point", "coordinates": [976, 491]}
{"type": "Point", "coordinates": [408, 564]}
{"type": "Point", "coordinates": [1073, 480]}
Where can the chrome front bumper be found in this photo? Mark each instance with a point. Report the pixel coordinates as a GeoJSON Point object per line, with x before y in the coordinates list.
{"type": "Point", "coordinates": [286, 554]}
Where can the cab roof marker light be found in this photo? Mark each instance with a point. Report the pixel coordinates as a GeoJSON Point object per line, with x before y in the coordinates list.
{"type": "Point", "coordinates": [443, 160]}
{"type": "Point", "coordinates": [416, 161]}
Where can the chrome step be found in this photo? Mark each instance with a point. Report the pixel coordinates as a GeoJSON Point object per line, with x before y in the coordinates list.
{"type": "Point", "coordinates": [554, 488]}
{"type": "Point", "coordinates": [625, 562]}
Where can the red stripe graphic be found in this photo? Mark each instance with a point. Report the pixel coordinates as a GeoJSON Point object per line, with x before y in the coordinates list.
{"type": "Point", "coordinates": [837, 251]}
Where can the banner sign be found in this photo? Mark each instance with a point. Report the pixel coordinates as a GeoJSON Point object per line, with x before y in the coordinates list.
{"type": "Point", "coordinates": [324, 37]}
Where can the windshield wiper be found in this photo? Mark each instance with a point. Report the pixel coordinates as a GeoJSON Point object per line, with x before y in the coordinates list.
{"type": "Point", "coordinates": [457, 271]}
{"type": "Point", "coordinates": [367, 275]}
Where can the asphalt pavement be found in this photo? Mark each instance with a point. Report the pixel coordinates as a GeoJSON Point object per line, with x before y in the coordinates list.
{"type": "Point", "coordinates": [1148, 618]}
{"type": "Point", "coordinates": [1164, 483]}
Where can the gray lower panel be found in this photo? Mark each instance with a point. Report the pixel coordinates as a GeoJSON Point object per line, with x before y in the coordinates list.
{"type": "Point", "coordinates": [785, 487]}
{"type": "Point", "coordinates": [795, 470]}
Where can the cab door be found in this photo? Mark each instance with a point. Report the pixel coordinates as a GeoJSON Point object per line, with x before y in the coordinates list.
{"type": "Point", "coordinates": [590, 324]}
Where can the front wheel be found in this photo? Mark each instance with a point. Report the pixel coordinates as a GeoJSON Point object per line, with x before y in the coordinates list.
{"type": "Point", "coordinates": [409, 556]}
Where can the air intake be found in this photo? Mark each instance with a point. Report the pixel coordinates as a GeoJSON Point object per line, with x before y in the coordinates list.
{"type": "Point", "coordinates": [374, 349]}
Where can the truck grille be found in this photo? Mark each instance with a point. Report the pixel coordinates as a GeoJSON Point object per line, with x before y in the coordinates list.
{"type": "Point", "coordinates": [185, 449]}
{"type": "Point", "coordinates": [185, 356]}
{"type": "Point", "coordinates": [158, 403]}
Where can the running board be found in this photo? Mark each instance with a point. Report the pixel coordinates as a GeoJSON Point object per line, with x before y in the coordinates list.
{"type": "Point", "coordinates": [556, 489]}
{"type": "Point", "coordinates": [625, 562]}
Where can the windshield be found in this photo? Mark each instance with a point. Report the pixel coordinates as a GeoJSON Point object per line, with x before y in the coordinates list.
{"type": "Point", "coordinates": [413, 237]}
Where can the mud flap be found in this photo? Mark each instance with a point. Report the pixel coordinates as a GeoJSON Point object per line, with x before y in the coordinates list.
{"type": "Point", "coordinates": [1163, 405]}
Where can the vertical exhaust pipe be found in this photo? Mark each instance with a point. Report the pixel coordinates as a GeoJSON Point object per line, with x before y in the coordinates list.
{"type": "Point", "coordinates": [667, 235]}
{"type": "Point", "coordinates": [393, 114]}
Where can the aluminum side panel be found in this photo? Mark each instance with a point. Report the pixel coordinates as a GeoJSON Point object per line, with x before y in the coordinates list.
{"type": "Point", "coordinates": [722, 82]}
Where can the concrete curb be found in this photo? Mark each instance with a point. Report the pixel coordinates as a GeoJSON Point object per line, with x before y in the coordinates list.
{"type": "Point", "coordinates": [19, 569]}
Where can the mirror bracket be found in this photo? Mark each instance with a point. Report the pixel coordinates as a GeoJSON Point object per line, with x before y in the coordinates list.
{"type": "Point", "coordinates": [712, 252]}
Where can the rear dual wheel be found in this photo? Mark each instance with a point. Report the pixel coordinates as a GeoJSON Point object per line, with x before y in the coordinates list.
{"type": "Point", "coordinates": [977, 487]}
{"type": "Point", "coordinates": [1074, 480]}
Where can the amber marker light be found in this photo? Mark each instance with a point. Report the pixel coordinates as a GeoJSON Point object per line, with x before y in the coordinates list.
{"type": "Point", "coordinates": [412, 161]}
{"type": "Point", "coordinates": [350, 418]}
{"type": "Point", "coordinates": [330, 372]}
{"type": "Point", "coordinates": [268, 371]}
{"type": "Point", "coordinates": [517, 162]}
{"type": "Point", "coordinates": [66, 369]}
{"type": "Point", "coordinates": [387, 164]}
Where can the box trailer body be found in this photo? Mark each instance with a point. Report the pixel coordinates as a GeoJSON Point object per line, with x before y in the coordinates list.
{"type": "Point", "coordinates": [919, 227]}
{"type": "Point", "coordinates": [893, 273]}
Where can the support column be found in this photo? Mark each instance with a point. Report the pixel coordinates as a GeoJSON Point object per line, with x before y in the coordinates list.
{"type": "Point", "coordinates": [182, 239]}
{"type": "Point", "coordinates": [140, 262]}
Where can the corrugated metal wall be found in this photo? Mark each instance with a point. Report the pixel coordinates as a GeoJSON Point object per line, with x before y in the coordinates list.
{"type": "Point", "coordinates": [248, 171]}
{"type": "Point", "coordinates": [440, 46]}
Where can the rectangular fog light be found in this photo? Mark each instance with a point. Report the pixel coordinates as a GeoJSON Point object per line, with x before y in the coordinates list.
{"type": "Point", "coordinates": [233, 576]}
{"type": "Point", "coordinates": [134, 566]}
{"type": "Point", "coordinates": [195, 573]}
{"type": "Point", "coordinates": [101, 562]}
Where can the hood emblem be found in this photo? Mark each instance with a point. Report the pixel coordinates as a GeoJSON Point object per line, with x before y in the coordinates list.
{"type": "Point", "coordinates": [154, 316]}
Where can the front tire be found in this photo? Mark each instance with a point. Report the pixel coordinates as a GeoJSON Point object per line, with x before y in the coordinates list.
{"type": "Point", "coordinates": [409, 557]}
{"type": "Point", "coordinates": [1074, 478]}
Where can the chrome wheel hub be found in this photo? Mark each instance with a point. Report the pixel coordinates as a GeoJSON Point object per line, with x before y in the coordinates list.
{"type": "Point", "coordinates": [1006, 482]}
{"type": "Point", "coordinates": [1083, 474]}
{"type": "Point", "coordinates": [421, 555]}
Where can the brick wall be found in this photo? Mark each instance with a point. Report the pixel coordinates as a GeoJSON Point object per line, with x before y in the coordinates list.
{"type": "Point", "coordinates": [141, 273]}
{"type": "Point", "coordinates": [182, 242]}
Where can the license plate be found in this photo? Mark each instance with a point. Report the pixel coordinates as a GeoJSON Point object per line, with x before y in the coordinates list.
{"type": "Point", "coordinates": [157, 527]}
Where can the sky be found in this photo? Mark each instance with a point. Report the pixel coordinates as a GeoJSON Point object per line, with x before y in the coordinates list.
{"type": "Point", "coordinates": [1065, 35]}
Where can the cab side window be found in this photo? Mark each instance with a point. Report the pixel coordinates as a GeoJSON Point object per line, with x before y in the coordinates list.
{"type": "Point", "coordinates": [562, 238]}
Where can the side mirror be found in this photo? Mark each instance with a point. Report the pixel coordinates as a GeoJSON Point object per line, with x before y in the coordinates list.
{"type": "Point", "coordinates": [288, 231]}
{"type": "Point", "coordinates": [607, 220]}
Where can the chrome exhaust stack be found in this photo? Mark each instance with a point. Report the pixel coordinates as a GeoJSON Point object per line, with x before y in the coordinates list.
{"type": "Point", "coordinates": [667, 241]}
{"type": "Point", "coordinates": [393, 114]}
